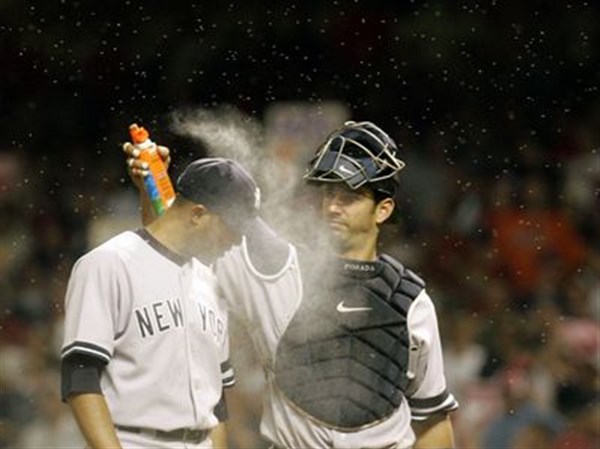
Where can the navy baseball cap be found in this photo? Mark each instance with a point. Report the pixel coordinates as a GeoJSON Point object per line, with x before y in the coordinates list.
{"type": "Point", "coordinates": [223, 186]}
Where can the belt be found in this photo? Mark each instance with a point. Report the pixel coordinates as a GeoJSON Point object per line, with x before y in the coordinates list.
{"type": "Point", "coordinates": [191, 435]}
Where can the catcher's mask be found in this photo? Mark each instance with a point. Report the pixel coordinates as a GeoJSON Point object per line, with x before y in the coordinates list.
{"type": "Point", "coordinates": [358, 153]}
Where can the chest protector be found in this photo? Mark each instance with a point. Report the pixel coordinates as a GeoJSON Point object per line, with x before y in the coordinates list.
{"type": "Point", "coordinates": [343, 358]}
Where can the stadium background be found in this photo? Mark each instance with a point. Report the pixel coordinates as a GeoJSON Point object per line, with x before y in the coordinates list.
{"type": "Point", "coordinates": [495, 105]}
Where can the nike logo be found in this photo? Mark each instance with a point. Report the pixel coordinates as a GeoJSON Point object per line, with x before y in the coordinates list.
{"type": "Point", "coordinates": [343, 309]}
{"type": "Point", "coordinates": [345, 170]}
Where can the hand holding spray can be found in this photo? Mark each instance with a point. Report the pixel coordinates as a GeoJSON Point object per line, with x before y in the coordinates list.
{"type": "Point", "coordinates": [157, 181]}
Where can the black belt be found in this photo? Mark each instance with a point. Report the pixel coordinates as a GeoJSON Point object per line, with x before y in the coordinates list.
{"type": "Point", "coordinates": [192, 435]}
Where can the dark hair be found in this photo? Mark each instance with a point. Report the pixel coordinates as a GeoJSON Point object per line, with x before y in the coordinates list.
{"type": "Point", "coordinates": [386, 188]}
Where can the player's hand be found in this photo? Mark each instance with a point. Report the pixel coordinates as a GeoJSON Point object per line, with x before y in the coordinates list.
{"type": "Point", "coordinates": [137, 168]}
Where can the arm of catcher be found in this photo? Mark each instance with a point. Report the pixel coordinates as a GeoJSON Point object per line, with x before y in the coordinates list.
{"type": "Point", "coordinates": [137, 169]}
{"type": "Point", "coordinates": [434, 433]}
{"type": "Point", "coordinates": [94, 420]}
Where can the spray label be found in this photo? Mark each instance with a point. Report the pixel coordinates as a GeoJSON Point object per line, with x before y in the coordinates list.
{"type": "Point", "coordinates": [154, 195]}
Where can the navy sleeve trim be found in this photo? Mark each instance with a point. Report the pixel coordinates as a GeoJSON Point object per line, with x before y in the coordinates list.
{"type": "Point", "coordinates": [225, 366]}
{"type": "Point", "coordinates": [227, 374]}
{"type": "Point", "coordinates": [81, 347]}
{"type": "Point", "coordinates": [422, 408]}
{"type": "Point", "coordinates": [428, 402]}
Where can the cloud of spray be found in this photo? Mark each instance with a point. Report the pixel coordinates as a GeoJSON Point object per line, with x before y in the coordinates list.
{"type": "Point", "coordinates": [227, 132]}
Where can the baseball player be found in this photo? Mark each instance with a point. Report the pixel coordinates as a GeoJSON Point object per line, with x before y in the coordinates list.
{"type": "Point", "coordinates": [145, 354]}
{"type": "Point", "coordinates": [348, 339]}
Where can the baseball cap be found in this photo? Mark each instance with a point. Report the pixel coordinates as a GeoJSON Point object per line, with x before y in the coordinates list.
{"type": "Point", "coordinates": [223, 186]}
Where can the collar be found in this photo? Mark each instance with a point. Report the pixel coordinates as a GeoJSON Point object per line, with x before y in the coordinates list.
{"type": "Point", "coordinates": [162, 249]}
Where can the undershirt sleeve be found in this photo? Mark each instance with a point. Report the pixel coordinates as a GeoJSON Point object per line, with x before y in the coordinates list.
{"type": "Point", "coordinates": [80, 373]}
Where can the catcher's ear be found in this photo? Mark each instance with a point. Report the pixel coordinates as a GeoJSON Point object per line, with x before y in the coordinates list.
{"type": "Point", "coordinates": [384, 209]}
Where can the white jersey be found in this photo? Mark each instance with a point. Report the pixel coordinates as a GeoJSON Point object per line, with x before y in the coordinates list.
{"type": "Point", "coordinates": [266, 304]}
{"type": "Point", "coordinates": [157, 322]}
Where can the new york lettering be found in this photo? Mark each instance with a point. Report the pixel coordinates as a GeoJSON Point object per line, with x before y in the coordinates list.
{"type": "Point", "coordinates": [211, 322]}
{"type": "Point", "coordinates": [161, 316]}
{"type": "Point", "coordinates": [158, 317]}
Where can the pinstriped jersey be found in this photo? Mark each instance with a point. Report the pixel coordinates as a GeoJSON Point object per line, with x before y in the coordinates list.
{"type": "Point", "coordinates": [267, 303]}
{"type": "Point", "coordinates": [156, 321]}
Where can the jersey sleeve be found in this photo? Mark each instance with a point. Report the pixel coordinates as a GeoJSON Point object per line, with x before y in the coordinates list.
{"type": "Point", "coordinates": [262, 255]}
{"type": "Point", "coordinates": [427, 393]}
{"type": "Point", "coordinates": [91, 306]}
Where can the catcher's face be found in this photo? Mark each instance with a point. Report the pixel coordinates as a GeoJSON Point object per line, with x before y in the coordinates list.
{"type": "Point", "coordinates": [353, 217]}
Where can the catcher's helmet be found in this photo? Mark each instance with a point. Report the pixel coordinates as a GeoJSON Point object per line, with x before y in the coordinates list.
{"type": "Point", "coordinates": [358, 153]}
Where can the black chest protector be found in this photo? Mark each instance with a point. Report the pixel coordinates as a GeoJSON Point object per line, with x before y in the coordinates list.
{"type": "Point", "coordinates": [343, 358]}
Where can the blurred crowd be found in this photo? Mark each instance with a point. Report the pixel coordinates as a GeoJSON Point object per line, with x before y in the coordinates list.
{"type": "Point", "coordinates": [499, 204]}
{"type": "Point", "coordinates": [514, 264]}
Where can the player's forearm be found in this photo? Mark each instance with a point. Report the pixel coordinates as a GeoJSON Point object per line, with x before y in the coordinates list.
{"type": "Point", "coordinates": [434, 433]}
{"type": "Point", "coordinates": [94, 420]}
